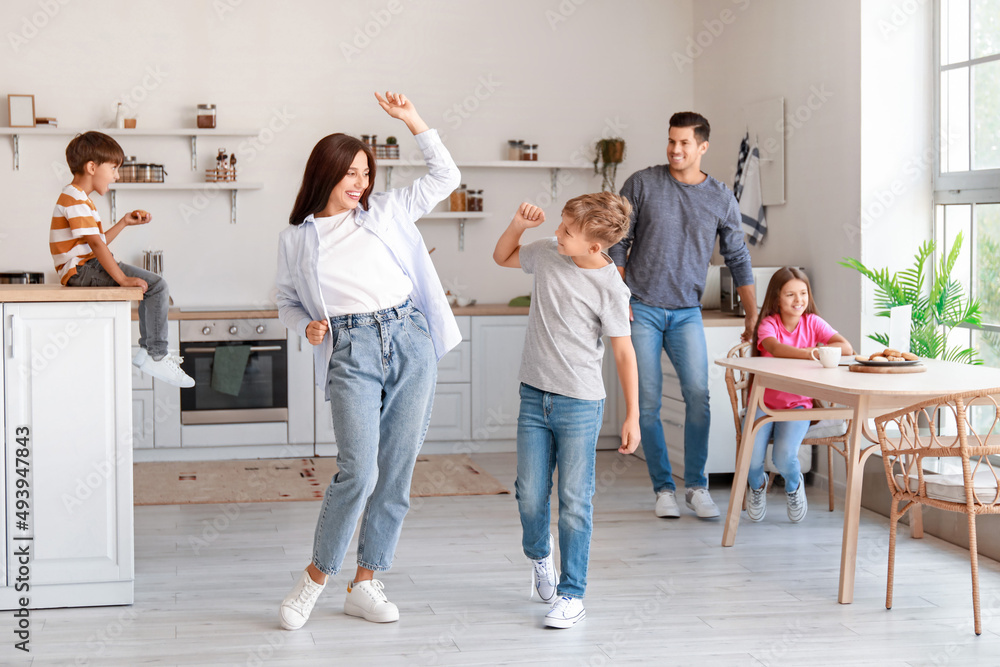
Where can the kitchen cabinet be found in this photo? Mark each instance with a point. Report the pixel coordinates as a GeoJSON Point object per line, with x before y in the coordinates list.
{"type": "Point", "coordinates": [66, 374]}
{"type": "Point", "coordinates": [497, 344]}
{"type": "Point", "coordinates": [722, 432]}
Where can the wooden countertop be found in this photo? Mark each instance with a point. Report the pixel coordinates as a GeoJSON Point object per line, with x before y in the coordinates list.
{"type": "Point", "coordinates": [59, 293]}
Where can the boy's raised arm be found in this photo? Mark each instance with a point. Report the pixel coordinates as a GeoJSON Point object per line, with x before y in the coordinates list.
{"type": "Point", "coordinates": [509, 245]}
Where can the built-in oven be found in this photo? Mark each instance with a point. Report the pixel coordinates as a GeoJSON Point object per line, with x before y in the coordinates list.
{"type": "Point", "coordinates": [262, 393]}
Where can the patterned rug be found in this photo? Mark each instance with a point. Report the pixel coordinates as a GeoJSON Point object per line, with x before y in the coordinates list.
{"type": "Point", "coordinates": [272, 480]}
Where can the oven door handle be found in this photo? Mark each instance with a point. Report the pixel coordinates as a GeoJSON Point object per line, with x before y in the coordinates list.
{"type": "Point", "coordinates": [253, 348]}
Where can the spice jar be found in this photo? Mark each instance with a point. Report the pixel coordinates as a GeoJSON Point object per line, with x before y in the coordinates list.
{"type": "Point", "coordinates": [513, 149]}
{"type": "Point", "coordinates": [527, 153]}
{"type": "Point", "coordinates": [534, 152]}
{"type": "Point", "coordinates": [127, 173]}
{"type": "Point", "coordinates": [458, 199]}
{"type": "Point", "coordinates": [476, 200]}
{"type": "Point", "coordinates": [206, 116]}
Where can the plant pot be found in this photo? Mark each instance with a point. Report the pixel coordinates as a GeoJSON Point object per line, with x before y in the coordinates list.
{"type": "Point", "coordinates": [612, 152]}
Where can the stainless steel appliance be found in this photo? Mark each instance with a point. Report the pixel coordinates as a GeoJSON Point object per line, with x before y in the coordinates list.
{"type": "Point", "coordinates": [22, 278]}
{"type": "Point", "coordinates": [263, 394]}
{"type": "Point", "coordinates": [730, 297]}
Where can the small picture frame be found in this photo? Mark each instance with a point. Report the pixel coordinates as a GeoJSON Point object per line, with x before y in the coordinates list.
{"type": "Point", "coordinates": [22, 110]}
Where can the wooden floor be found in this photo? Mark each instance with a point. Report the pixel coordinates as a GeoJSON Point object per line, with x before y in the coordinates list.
{"type": "Point", "coordinates": [660, 591]}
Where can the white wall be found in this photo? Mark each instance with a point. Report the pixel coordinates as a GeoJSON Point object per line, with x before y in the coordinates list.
{"type": "Point", "coordinates": [897, 141]}
{"type": "Point", "coordinates": [556, 73]}
{"type": "Point", "coordinates": [808, 52]}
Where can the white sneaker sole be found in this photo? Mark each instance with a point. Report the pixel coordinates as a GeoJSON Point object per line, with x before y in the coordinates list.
{"type": "Point", "coordinates": [563, 623]}
{"type": "Point", "coordinates": [387, 616]}
{"type": "Point", "coordinates": [286, 625]}
{"type": "Point", "coordinates": [182, 382]}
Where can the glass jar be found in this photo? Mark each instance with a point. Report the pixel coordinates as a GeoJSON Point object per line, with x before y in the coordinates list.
{"type": "Point", "coordinates": [526, 152]}
{"type": "Point", "coordinates": [534, 152]}
{"type": "Point", "coordinates": [514, 149]}
{"type": "Point", "coordinates": [206, 116]}
{"type": "Point", "coordinates": [458, 199]}
{"type": "Point", "coordinates": [127, 173]}
{"type": "Point", "coordinates": [472, 201]}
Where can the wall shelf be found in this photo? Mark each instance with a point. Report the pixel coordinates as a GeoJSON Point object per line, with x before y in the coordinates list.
{"type": "Point", "coordinates": [192, 133]}
{"type": "Point", "coordinates": [461, 216]}
{"type": "Point", "coordinates": [553, 167]}
{"type": "Point", "coordinates": [232, 186]}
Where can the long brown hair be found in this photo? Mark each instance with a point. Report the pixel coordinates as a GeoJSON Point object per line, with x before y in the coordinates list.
{"type": "Point", "coordinates": [772, 299]}
{"type": "Point", "coordinates": [327, 165]}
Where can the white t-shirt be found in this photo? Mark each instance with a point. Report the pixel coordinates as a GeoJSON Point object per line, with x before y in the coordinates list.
{"type": "Point", "coordinates": [357, 272]}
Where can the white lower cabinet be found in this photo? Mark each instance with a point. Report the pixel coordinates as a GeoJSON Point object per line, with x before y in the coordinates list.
{"type": "Point", "coordinates": [67, 390]}
{"type": "Point", "coordinates": [722, 433]}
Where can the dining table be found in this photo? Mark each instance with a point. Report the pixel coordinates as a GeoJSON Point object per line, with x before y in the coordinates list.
{"type": "Point", "coordinates": [855, 396]}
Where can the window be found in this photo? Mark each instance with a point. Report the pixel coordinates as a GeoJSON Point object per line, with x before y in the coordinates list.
{"type": "Point", "coordinates": [967, 173]}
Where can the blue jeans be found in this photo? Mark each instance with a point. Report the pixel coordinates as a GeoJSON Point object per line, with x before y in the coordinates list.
{"type": "Point", "coordinates": [681, 333]}
{"type": "Point", "coordinates": [785, 451]}
{"type": "Point", "coordinates": [381, 383]}
{"type": "Point", "coordinates": [555, 430]}
{"type": "Point", "coordinates": [152, 309]}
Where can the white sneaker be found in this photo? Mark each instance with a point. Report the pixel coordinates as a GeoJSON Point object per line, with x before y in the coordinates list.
{"type": "Point", "coordinates": [565, 613]}
{"type": "Point", "coordinates": [666, 505]}
{"type": "Point", "coordinates": [543, 577]}
{"type": "Point", "coordinates": [297, 606]}
{"type": "Point", "coordinates": [367, 600]}
{"type": "Point", "coordinates": [797, 503]}
{"type": "Point", "coordinates": [757, 503]}
{"type": "Point", "coordinates": [167, 369]}
{"type": "Point", "coordinates": [140, 357]}
{"type": "Point", "coordinates": [701, 502]}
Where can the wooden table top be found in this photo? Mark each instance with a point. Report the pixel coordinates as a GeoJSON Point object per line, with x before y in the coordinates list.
{"type": "Point", "coordinates": [59, 293]}
{"type": "Point", "coordinates": [942, 377]}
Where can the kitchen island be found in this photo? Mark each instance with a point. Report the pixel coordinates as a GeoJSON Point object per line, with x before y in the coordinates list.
{"type": "Point", "coordinates": [67, 429]}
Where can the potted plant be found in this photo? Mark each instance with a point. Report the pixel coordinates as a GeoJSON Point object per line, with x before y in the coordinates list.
{"type": "Point", "coordinates": [608, 154]}
{"type": "Point", "coordinates": [936, 311]}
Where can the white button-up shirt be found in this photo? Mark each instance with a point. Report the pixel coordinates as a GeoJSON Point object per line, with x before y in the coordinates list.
{"type": "Point", "coordinates": [392, 217]}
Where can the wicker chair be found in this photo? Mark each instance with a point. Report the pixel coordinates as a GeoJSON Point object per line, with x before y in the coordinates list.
{"type": "Point", "coordinates": [910, 436]}
{"type": "Point", "coordinates": [831, 434]}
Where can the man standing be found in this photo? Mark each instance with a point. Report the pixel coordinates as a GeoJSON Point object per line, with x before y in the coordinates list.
{"type": "Point", "coordinates": [677, 213]}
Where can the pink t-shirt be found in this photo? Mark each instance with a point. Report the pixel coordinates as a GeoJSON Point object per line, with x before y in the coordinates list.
{"type": "Point", "coordinates": [812, 330]}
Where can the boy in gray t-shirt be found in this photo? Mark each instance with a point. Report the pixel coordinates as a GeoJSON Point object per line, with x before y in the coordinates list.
{"type": "Point", "coordinates": [578, 297]}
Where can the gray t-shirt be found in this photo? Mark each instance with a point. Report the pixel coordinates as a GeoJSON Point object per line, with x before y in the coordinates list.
{"type": "Point", "coordinates": [571, 308]}
{"type": "Point", "coordinates": [672, 236]}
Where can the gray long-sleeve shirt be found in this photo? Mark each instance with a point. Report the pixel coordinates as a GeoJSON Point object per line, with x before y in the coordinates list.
{"type": "Point", "coordinates": [670, 241]}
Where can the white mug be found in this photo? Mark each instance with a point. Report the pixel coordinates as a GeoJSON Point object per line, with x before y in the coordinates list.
{"type": "Point", "coordinates": [828, 356]}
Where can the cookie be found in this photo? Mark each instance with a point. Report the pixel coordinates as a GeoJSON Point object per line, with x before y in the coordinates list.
{"type": "Point", "coordinates": [909, 356]}
{"type": "Point", "coordinates": [139, 213]}
{"type": "Point", "coordinates": [889, 352]}
{"type": "Point", "coordinates": [894, 358]}
{"type": "Point", "coordinates": [861, 357]}
{"type": "Point", "coordinates": [878, 357]}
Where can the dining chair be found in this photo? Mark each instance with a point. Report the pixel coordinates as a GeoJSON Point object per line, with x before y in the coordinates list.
{"type": "Point", "coordinates": [911, 440]}
{"type": "Point", "coordinates": [829, 433]}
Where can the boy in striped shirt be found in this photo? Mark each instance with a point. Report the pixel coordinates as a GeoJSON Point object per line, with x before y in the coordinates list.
{"type": "Point", "coordinates": [79, 247]}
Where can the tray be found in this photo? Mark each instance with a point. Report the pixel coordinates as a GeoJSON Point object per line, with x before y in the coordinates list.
{"type": "Point", "coordinates": [892, 364]}
{"type": "Point", "coordinates": [897, 367]}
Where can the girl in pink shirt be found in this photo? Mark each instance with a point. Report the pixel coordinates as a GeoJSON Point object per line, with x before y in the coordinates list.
{"type": "Point", "coordinates": [787, 326]}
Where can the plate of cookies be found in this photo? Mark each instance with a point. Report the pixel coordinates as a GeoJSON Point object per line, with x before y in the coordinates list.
{"type": "Point", "coordinates": [888, 357]}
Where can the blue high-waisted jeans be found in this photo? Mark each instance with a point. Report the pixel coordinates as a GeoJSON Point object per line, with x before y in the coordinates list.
{"type": "Point", "coordinates": [555, 430]}
{"type": "Point", "coordinates": [381, 382]}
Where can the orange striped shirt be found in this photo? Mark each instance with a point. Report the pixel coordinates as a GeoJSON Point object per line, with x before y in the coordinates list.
{"type": "Point", "coordinates": [74, 217]}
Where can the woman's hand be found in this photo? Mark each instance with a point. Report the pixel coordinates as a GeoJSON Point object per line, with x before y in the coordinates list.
{"type": "Point", "coordinates": [316, 331]}
{"type": "Point", "coordinates": [398, 106]}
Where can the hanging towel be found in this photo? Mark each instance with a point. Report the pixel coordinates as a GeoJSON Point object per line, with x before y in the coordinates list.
{"type": "Point", "coordinates": [748, 192]}
{"type": "Point", "coordinates": [228, 367]}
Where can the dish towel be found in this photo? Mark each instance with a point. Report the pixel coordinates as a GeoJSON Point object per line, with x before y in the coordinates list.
{"type": "Point", "coordinates": [748, 191]}
{"type": "Point", "coordinates": [228, 367]}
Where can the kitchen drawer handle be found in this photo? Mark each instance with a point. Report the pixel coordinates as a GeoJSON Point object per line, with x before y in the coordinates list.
{"type": "Point", "coordinates": [253, 348]}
